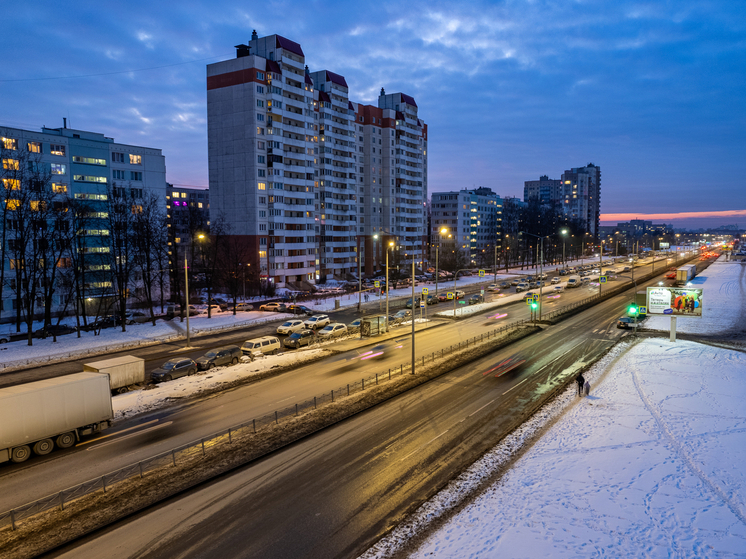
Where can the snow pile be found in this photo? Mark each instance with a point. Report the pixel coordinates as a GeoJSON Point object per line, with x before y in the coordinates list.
{"type": "Point", "coordinates": [138, 401]}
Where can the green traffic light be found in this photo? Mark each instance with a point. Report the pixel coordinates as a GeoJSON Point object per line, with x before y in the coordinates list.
{"type": "Point", "coordinates": [534, 305]}
{"type": "Point", "coordinates": [632, 311]}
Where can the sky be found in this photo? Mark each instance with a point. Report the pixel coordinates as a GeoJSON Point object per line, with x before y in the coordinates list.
{"type": "Point", "coordinates": [652, 92]}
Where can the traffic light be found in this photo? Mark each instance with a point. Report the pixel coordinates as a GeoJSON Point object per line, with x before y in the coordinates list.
{"type": "Point", "coordinates": [632, 310]}
{"type": "Point", "coordinates": [534, 305]}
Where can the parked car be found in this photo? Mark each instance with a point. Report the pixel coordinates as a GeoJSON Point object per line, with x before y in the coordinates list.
{"type": "Point", "coordinates": [333, 330]}
{"type": "Point", "coordinates": [266, 345]}
{"type": "Point", "coordinates": [104, 322]}
{"type": "Point", "coordinates": [273, 307]}
{"type": "Point", "coordinates": [136, 317]}
{"type": "Point", "coordinates": [54, 330]}
{"type": "Point", "coordinates": [290, 326]}
{"type": "Point", "coordinates": [243, 307]}
{"type": "Point", "coordinates": [555, 280]}
{"type": "Point", "coordinates": [318, 321]}
{"type": "Point", "coordinates": [228, 355]}
{"type": "Point", "coordinates": [474, 299]}
{"type": "Point", "coordinates": [212, 309]}
{"type": "Point", "coordinates": [355, 325]}
{"type": "Point", "coordinates": [174, 368]}
{"type": "Point", "coordinates": [401, 315]}
{"type": "Point", "coordinates": [299, 339]}
{"type": "Point", "coordinates": [222, 303]}
{"type": "Point", "coordinates": [299, 309]}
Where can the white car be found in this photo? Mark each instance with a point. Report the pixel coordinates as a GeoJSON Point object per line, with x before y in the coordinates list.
{"type": "Point", "coordinates": [493, 287]}
{"type": "Point", "coordinates": [333, 330]}
{"type": "Point", "coordinates": [270, 307]}
{"type": "Point", "coordinates": [318, 321]}
{"type": "Point", "coordinates": [555, 280]}
{"type": "Point", "coordinates": [214, 308]}
{"type": "Point", "coordinates": [521, 287]}
{"type": "Point", "coordinates": [559, 288]}
{"type": "Point", "coordinates": [290, 326]}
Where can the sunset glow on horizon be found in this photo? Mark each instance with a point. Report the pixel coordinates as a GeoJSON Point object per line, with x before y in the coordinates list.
{"type": "Point", "coordinates": [613, 218]}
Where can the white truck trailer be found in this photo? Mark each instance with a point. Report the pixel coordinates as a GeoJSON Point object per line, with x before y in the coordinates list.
{"type": "Point", "coordinates": [124, 372]}
{"type": "Point", "coordinates": [685, 273]}
{"type": "Point", "coordinates": [56, 411]}
{"type": "Point", "coordinates": [573, 281]}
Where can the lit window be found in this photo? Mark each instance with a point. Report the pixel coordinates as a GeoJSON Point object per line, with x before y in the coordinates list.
{"type": "Point", "coordinates": [261, 186]}
{"type": "Point", "coordinates": [12, 204]}
{"type": "Point", "coordinates": [57, 149]}
{"type": "Point", "coordinates": [11, 164]}
{"type": "Point", "coordinates": [135, 159]}
{"type": "Point", "coordinates": [12, 184]}
{"type": "Point", "coordinates": [89, 160]}
{"type": "Point", "coordinates": [58, 169]}
{"type": "Point", "coordinates": [34, 147]}
{"type": "Point", "coordinates": [10, 143]}
{"type": "Point", "coordinates": [59, 188]}
{"type": "Point", "coordinates": [89, 178]}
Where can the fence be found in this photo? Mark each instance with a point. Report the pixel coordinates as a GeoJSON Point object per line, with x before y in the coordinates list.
{"type": "Point", "coordinates": [174, 456]}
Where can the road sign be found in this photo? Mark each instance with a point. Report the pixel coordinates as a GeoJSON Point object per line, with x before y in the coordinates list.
{"type": "Point", "coordinates": [643, 310]}
{"type": "Point", "coordinates": [535, 297]}
{"type": "Point", "coordinates": [449, 295]}
{"type": "Point", "coordinates": [422, 305]}
{"type": "Point", "coordinates": [602, 279]}
{"type": "Point", "coordinates": [462, 302]}
{"type": "Point", "coordinates": [529, 301]}
{"type": "Point", "coordinates": [377, 283]}
{"type": "Point", "coordinates": [481, 273]}
{"type": "Point", "coordinates": [482, 292]}
{"type": "Point", "coordinates": [425, 291]}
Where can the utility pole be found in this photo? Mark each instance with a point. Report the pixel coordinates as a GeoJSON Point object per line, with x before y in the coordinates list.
{"type": "Point", "coordinates": [186, 285]}
{"type": "Point", "coordinates": [413, 313]}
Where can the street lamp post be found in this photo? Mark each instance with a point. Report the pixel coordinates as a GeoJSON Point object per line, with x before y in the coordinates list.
{"type": "Point", "coordinates": [186, 286]}
{"type": "Point", "coordinates": [391, 244]}
{"type": "Point", "coordinates": [413, 313]}
{"type": "Point", "coordinates": [495, 280]}
{"type": "Point", "coordinates": [564, 234]}
{"type": "Point", "coordinates": [359, 277]}
{"type": "Point", "coordinates": [443, 231]}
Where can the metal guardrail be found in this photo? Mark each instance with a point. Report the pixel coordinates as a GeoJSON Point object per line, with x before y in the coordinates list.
{"type": "Point", "coordinates": [172, 457]}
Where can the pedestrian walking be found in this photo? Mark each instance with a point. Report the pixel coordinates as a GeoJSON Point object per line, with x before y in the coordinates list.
{"type": "Point", "coordinates": [581, 384]}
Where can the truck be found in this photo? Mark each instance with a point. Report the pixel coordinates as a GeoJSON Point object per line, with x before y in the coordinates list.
{"type": "Point", "coordinates": [54, 412]}
{"type": "Point", "coordinates": [685, 273]}
{"type": "Point", "coordinates": [124, 372]}
{"type": "Point", "coordinates": [573, 281]}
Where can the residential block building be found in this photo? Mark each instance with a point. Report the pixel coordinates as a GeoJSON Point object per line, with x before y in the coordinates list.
{"type": "Point", "coordinates": [311, 180]}
{"type": "Point", "coordinates": [85, 167]}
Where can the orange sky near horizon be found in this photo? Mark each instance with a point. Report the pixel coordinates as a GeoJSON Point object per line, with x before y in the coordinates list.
{"type": "Point", "coordinates": [622, 217]}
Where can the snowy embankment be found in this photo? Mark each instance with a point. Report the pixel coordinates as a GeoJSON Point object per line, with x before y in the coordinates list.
{"type": "Point", "coordinates": [649, 465]}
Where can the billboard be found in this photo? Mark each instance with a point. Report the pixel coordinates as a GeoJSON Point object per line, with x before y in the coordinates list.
{"type": "Point", "coordinates": [675, 301]}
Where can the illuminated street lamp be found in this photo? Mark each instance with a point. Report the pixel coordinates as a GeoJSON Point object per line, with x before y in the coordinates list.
{"type": "Point", "coordinates": [564, 235]}
{"type": "Point", "coordinates": [442, 231]}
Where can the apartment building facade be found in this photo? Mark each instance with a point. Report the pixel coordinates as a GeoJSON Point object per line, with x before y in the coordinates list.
{"type": "Point", "coordinates": [577, 194]}
{"type": "Point", "coordinates": [313, 181]}
{"type": "Point", "coordinates": [470, 220]}
{"type": "Point", "coordinates": [86, 167]}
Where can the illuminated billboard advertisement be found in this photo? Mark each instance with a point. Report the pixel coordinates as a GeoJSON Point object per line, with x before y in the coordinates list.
{"type": "Point", "coordinates": [675, 301]}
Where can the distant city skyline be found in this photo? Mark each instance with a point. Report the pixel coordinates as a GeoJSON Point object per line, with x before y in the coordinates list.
{"type": "Point", "coordinates": [652, 93]}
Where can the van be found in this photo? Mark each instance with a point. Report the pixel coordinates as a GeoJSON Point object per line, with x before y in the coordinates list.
{"type": "Point", "coordinates": [573, 281]}
{"type": "Point", "coordinates": [626, 269]}
{"type": "Point", "coordinates": [267, 345]}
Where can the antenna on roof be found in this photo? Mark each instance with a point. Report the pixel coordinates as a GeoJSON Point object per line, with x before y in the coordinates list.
{"type": "Point", "coordinates": [254, 36]}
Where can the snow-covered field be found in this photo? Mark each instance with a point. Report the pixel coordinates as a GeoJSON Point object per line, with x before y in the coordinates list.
{"type": "Point", "coordinates": [651, 464]}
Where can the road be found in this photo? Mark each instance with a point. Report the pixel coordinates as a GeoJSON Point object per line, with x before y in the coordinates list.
{"type": "Point", "coordinates": [148, 435]}
{"type": "Point", "coordinates": [335, 493]}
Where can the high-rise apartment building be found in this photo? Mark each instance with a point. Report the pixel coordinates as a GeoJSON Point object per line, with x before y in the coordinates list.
{"type": "Point", "coordinates": [261, 136]}
{"type": "Point", "coordinates": [392, 143]}
{"type": "Point", "coordinates": [86, 167]}
{"type": "Point", "coordinates": [308, 177]}
{"type": "Point", "coordinates": [470, 218]}
{"type": "Point", "coordinates": [577, 194]}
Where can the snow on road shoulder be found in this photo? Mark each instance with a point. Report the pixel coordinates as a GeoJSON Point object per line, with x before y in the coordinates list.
{"type": "Point", "coordinates": [139, 401]}
{"type": "Point", "coordinates": [651, 464]}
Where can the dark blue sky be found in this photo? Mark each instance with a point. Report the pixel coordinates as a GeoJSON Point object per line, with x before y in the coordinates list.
{"type": "Point", "coordinates": [653, 92]}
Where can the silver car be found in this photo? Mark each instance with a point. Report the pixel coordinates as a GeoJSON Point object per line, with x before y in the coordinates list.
{"type": "Point", "coordinates": [318, 321]}
{"type": "Point", "coordinates": [290, 326]}
{"type": "Point", "coordinates": [333, 330]}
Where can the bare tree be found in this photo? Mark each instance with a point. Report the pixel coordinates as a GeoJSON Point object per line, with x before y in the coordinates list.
{"type": "Point", "coordinates": [120, 211]}
{"type": "Point", "coordinates": [233, 261]}
{"type": "Point", "coordinates": [149, 233]}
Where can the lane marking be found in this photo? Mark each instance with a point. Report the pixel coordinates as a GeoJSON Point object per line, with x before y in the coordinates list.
{"type": "Point", "coordinates": [117, 433]}
{"type": "Point", "coordinates": [288, 398]}
{"type": "Point", "coordinates": [516, 386]}
{"type": "Point", "coordinates": [480, 409]}
{"type": "Point", "coordinates": [131, 435]}
{"type": "Point", "coordinates": [423, 445]}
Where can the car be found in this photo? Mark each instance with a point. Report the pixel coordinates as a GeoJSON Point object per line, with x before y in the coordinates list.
{"type": "Point", "coordinates": [266, 345]}
{"type": "Point", "coordinates": [493, 287]}
{"type": "Point", "coordinates": [318, 321]}
{"type": "Point", "coordinates": [213, 309]}
{"type": "Point", "coordinates": [515, 282]}
{"type": "Point", "coordinates": [521, 287]}
{"type": "Point", "coordinates": [474, 299]}
{"type": "Point", "coordinates": [432, 300]}
{"type": "Point", "coordinates": [670, 275]}
{"type": "Point", "coordinates": [299, 339]}
{"type": "Point", "coordinates": [563, 272]}
{"type": "Point", "coordinates": [174, 368]}
{"type": "Point", "coordinates": [416, 304]}
{"type": "Point", "coordinates": [54, 330]}
{"type": "Point", "coordinates": [558, 288]}
{"type": "Point", "coordinates": [290, 326]}
{"type": "Point", "coordinates": [299, 309]}
{"type": "Point", "coordinates": [556, 280]}
{"type": "Point", "coordinates": [242, 307]}
{"type": "Point", "coordinates": [104, 322]}
{"type": "Point", "coordinates": [228, 355]}
{"type": "Point", "coordinates": [443, 297]}
{"type": "Point", "coordinates": [625, 322]}
{"type": "Point", "coordinates": [401, 315]}
{"type": "Point", "coordinates": [333, 330]}
{"type": "Point", "coordinates": [222, 303]}
{"type": "Point", "coordinates": [271, 307]}
{"type": "Point", "coordinates": [528, 295]}
{"type": "Point", "coordinates": [355, 325]}
{"type": "Point", "coordinates": [460, 294]}
{"type": "Point", "coordinates": [137, 317]}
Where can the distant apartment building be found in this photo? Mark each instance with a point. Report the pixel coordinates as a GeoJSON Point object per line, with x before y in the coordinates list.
{"type": "Point", "coordinates": [577, 194]}
{"type": "Point", "coordinates": [86, 167]}
{"type": "Point", "coordinates": [187, 214]}
{"type": "Point", "coordinates": [310, 179]}
{"type": "Point", "coordinates": [470, 218]}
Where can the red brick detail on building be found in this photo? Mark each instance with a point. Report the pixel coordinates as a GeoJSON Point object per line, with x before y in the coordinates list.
{"type": "Point", "coordinates": [233, 78]}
